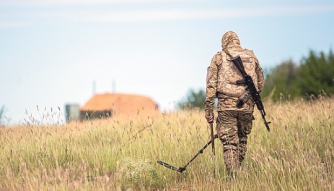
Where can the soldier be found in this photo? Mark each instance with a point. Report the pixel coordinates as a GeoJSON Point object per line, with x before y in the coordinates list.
{"type": "Point", "coordinates": [234, 124]}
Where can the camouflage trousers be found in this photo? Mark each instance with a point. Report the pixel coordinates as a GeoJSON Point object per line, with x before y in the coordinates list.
{"type": "Point", "coordinates": [233, 128]}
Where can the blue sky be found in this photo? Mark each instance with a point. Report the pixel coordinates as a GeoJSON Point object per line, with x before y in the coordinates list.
{"type": "Point", "coordinates": [51, 51]}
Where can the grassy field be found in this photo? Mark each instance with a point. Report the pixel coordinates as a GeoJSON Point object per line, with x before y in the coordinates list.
{"type": "Point", "coordinates": [121, 154]}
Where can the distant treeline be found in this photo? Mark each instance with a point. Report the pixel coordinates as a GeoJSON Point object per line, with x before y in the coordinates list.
{"type": "Point", "coordinates": [313, 76]}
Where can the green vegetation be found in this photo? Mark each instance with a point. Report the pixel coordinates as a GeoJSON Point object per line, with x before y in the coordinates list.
{"type": "Point", "coordinates": [2, 112]}
{"type": "Point", "coordinates": [121, 154]}
{"type": "Point", "coordinates": [194, 99]}
{"type": "Point", "coordinates": [281, 80]}
{"type": "Point", "coordinates": [313, 76]}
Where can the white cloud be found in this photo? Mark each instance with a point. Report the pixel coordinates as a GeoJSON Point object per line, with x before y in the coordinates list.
{"type": "Point", "coordinates": [83, 2]}
{"type": "Point", "coordinates": [109, 16]}
{"type": "Point", "coordinates": [185, 14]}
{"type": "Point", "coordinates": [14, 24]}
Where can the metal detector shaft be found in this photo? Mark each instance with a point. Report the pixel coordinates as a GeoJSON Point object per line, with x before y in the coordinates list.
{"type": "Point", "coordinates": [212, 139]}
{"type": "Point", "coordinates": [213, 147]}
{"type": "Point", "coordinates": [201, 151]}
{"type": "Point", "coordinates": [181, 169]}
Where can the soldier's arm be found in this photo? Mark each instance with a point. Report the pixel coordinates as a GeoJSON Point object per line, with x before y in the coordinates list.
{"type": "Point", "coordinates": [258, 70]}
{"type": "Point", "coordinates": [211, 84]}
{"type": "Point", "coordinates": [260, 77]}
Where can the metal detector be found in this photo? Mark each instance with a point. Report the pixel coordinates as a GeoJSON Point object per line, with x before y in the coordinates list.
{"type": "Point", "coordinates": [181, 169]}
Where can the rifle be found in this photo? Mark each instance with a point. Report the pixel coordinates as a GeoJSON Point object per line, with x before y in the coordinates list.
{"type": "Point", "coordinates": [247, 79]}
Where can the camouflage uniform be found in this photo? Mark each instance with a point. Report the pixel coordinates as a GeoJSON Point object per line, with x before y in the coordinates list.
{"type": "Point", "coordinates": [233, 123]}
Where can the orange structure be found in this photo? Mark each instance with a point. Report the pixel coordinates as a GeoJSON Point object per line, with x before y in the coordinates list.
{"type": "Point", "coordinates": [107, 105]}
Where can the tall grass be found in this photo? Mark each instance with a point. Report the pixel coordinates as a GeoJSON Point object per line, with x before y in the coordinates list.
{"type": "Point", "coordinates": [121, 154]}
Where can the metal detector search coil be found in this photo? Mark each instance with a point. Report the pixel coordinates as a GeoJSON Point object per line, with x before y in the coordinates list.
{"type": "Point", "coordinates": [180, 169]}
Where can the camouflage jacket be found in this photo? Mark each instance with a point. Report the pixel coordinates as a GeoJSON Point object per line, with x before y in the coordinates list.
{"type": "Point", "coordinates": [222, 75]}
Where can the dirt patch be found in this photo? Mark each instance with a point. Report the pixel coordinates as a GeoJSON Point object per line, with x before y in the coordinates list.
{"type": "Point", "coordinates": [122, 104]}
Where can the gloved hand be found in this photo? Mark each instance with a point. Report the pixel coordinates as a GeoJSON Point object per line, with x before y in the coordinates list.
{"type": "Point", "coordinates": [209, 116]}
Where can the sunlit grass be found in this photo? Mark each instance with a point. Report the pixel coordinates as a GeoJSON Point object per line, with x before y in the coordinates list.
{"type": "Point", "coordinates": [121, 154]}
